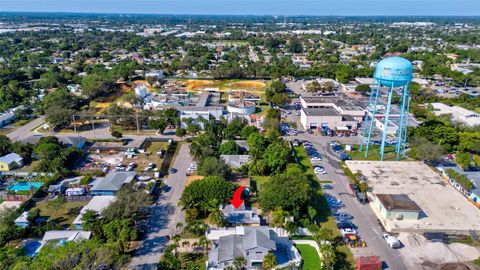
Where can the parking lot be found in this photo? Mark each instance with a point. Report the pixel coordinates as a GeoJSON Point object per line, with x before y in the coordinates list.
{"type": "Point", "coordinates": [363, 220]}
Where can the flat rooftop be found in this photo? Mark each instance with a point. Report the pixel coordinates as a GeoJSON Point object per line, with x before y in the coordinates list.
{"type": "Point", "coordinates": [444, 208]}
{"type": "Point", "coordinates": [320, 112]}
{"type": "Point", "coordinates": [398, 202]}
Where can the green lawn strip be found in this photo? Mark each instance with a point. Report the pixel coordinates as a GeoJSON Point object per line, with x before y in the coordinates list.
{"type": "Point", "coordinates": [311, 260]}
{"type": "Point", "coordinates": [324, 216]}
{"type": "Point", "coordinates": [373, 153]}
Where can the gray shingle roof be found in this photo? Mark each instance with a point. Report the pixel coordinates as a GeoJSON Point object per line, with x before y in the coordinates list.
{"type": "Point", "coordinates": [113, 181]}
{"type": "Point", "coordinates": [230, 247]}
{"type": "Point", "coordinates": [257, 237]}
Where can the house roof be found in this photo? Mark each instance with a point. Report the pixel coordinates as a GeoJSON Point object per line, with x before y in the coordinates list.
{"type": "Point", "coordinates": [398, 202]}
{"type": "Point", "coordinates": [66, 235]}
{"type": "Point", "coordinates": [235, 161]}
{"type": "Point", "coordinates": [113, 181]}
{"type": "Point", "coordinates": [10, 158]}
{"type": "Point", "coordinates": [320, 112]}
{"type": "Point", "coordinates": [240, 215]}
{"type": "Point", "coordinates": [234, 245]}
{"type": "Point", "coordinates": [258, 237]}
{"type": "Point", "coordinates": [230, 247]}
{"type": "Point", "coordinates": [97, 204]}
{"type": "Point", "coordinates": [23, 218]}
{"type": "Point", "coordinates": [71, 140]}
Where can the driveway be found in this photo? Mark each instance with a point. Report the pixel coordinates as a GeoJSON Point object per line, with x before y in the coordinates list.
{"type": "Point", "coordinates": [24, 131]}
{"type": "Point", "coordinates": [164, 215]}
{"type": "Point", "coordinates": [364, 217]}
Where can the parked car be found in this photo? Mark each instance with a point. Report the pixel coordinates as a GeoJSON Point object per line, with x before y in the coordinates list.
{"type": "Point", "coordinates": [173, 170]}
{"type": "Point", "coordinates": [392, 241]}
{"type": "Point", "coordinates": [342, 215]}
{"type": "Point", "coordinates": [327, 186]}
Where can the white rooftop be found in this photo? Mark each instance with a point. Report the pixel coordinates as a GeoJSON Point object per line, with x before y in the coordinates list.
{"type": "Point", "coordinates": [97, 204]}
{"type": "Point", "coordinates": [444, 208]}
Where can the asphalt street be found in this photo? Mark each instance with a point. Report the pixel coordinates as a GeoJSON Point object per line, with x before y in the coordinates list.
{"type": "Point", "coordinates": [164, 215]}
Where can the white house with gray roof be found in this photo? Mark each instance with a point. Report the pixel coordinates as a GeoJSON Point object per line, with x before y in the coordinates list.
{"type": "Point", "coordinates": [111, 183]}
{"type": "Point", "coordinates": [240, 216]}
{"type": "Point", "coordinates": [251, 243]}
{"type": "Point", "coordinates": [97, 204]}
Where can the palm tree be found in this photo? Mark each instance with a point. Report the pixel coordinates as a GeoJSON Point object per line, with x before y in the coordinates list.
{"type": "Point", "coordinates": [278, 217]}
{"type": "Point", "coordinates": [216, 215]}
{"type": "Point", "coordinates": [195, 245]}
{"type": "Point", "coordinates": [239, 262]}
{"type": "Point", "coordinates": [203, 243]}
{"type": "Point", "coordinates": [328, 255]}
{"type": "Point", "coordinates": [269, 261]}
{"type": "Point", "coordinates": [186, 244]}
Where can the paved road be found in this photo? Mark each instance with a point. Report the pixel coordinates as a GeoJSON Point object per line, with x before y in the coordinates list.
{"type": "Point", "coordinates": [365, 218]}
{"type": "Point", "coordinates": [163, 216]}
{"type": "Point", "coordinates": [25, 130]}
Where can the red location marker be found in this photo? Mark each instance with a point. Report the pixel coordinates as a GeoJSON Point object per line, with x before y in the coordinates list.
{"type": "Point", "coordinates": [237, 197]}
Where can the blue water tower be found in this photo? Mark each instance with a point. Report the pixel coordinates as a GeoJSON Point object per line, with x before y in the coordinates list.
{"type": "Point", "coordinates": [394, 74]}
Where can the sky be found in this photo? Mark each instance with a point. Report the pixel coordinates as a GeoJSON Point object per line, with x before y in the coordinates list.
{"type": "Point", "coordinates": [252, 7]}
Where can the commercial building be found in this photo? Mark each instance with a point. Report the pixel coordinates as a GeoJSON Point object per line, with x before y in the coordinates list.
{"type": "Point", "coordinates": [443, 208]}
{"type": "Point", "coordinates": [459, 114]}
{"type": "Point", "coordinates": [332, 112]}
{"type": "Point", "coordinates": [396, 206]}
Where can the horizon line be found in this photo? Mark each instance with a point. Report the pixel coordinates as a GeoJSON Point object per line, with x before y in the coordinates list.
{"type": "Point", "coordinates": [251, 15]}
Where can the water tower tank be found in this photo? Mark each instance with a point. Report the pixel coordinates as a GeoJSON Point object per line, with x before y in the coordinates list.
{"type": "Point", "coordinates": [396, 70]}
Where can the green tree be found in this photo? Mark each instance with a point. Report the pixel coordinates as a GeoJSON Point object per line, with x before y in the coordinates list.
{"type": "Point", "coordinates": [213, 166]}
{"type": "Point", "coordinates": [229, 148]}
{"type": "Point", "coordinates": [463, 159]}
{"type": "Point", "coordinates": [247, 130]}
{"type": "Point", "coordinates": [5, 145]}
{"type": "Point", "coordinates": [180, 132]}
{"type": "Point", "coordinates": [328, 255]}
{"type": "Point", "coordinates": [363, 88]}
{"type": "Point", "coordinates": [239, 262]}
{"type": "Point", "coordinates": [269, 261]}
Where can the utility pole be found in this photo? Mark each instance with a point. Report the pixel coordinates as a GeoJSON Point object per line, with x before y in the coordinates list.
{"type": "Point", "coordinates": [138, 125]}
{"type": "Point", "coordinates": [74, 126]}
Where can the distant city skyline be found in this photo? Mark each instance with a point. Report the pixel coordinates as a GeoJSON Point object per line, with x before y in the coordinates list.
{"type": "Point", "coordinates": [253, 7]}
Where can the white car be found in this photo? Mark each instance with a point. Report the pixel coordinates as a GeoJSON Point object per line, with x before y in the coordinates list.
{"type": "Point", "coordinates": [348, 231]}
{"type": "Point", "coordinates": [392, 241]}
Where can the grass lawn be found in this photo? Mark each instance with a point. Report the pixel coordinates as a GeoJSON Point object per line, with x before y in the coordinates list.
{"type": "Point", "coordinates": [30, 167]}
{"type": "Point", "coordinates": [197, 259]}
{"type": "Point", "coordinates": [153, 146]}
{"type": "Point", "coordinates": [373, 153]}
{"type": "Point", "coordinates": [258, 181]}
{"type": "Point", "coordinates": [311, 260]}
{"type": "Point", "coordinates": [61, 212]}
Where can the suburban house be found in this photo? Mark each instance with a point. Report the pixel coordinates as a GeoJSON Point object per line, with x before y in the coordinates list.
{"type": "Point", "coordinates": [10, 162]}
{"type": "Point", "coordinates": [6, 118]}
{"type": "Point", "coordinates": [54, 190]}
{"type": "Point", "coordinates": [97, 204]}
{"type": "Point", "coordinates": [22, 220]}
{"type": "Point", "coordinates": [67, 141]}
{"type": "Point", "coordinates": [60, 237]}
{"type": "Point", "coordinates": [75, 141]}
{"type": "Point", "coordinates": [235, 161]}
{"type": "Point", "coordinates": [111, 183]}
{"type": "Point", "coordinates": [240, 216]}
{"type": "Point", "coordinates": [252, 243]}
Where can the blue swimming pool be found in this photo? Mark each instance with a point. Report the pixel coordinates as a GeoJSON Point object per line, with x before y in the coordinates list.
{"type": "Point", "coordinates": [30, 247]}
{"type": "Point", "coordinates": [25, 186]}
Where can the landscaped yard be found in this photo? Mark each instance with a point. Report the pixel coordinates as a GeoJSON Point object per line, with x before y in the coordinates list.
{"type": "Point", "coordinates": [311, 260]}
{"type": "Point", "coordinates": [187, 260]}
{"type": "Point", "coordinates": [60, 211]}
{"type": "Point", "coordinates": [258, 181]}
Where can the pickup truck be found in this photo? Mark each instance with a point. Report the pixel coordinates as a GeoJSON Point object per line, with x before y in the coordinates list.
{"type": "Point", "coordinates": [392, 241]}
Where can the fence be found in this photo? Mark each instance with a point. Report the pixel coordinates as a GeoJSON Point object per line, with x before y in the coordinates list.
{"type": "Point", "coordinates": [11, 197]}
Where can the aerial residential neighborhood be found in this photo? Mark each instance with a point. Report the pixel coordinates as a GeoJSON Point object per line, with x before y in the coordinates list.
{"type": "Point", "coordinates": [169, 141]}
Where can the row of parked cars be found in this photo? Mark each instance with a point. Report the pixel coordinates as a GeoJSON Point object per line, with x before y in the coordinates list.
{"type": "Point", "coordinates": [312, 152]}
{"type": "Point", "coordinates": [338, 150]}
{"type": "Point", "coordinates": [344, 221]}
